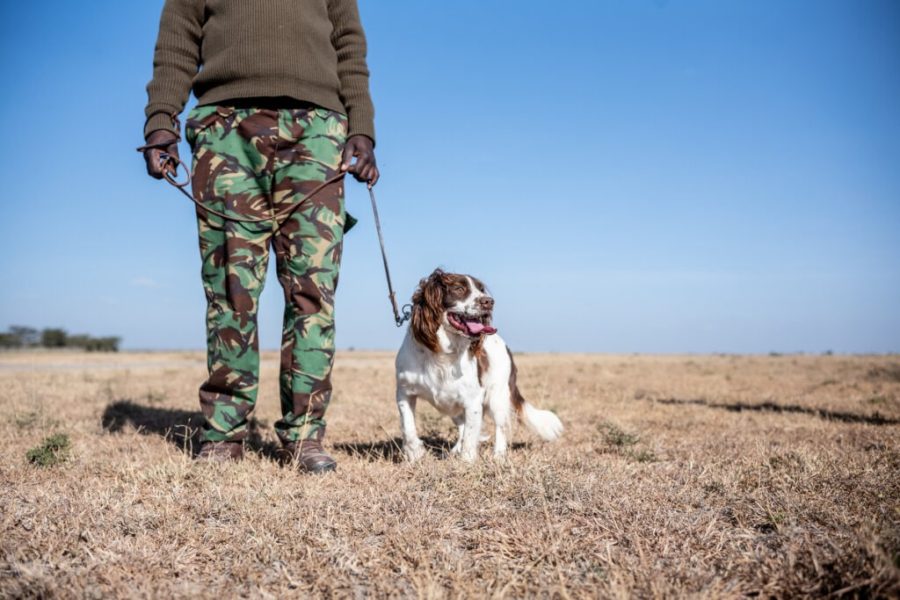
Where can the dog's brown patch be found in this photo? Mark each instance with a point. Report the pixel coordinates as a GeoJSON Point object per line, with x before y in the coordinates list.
{"type": "Point", "coordinates": [515, 396]}
{"type": "Point", "coordinates": [481, 358]}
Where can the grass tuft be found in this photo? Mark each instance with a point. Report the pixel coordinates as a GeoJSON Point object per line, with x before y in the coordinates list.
{"type": "Point", "coordinates": [889, 372]}
{"type": "Point", "coordinates": [881, 399]}
{"type": "Point", "coordinates": [615, 436]}
{"type": "Point", "coordinates": [52, 451]}
{"type": "Point", "coordinates": [642, 456]}
{"type": "Point", "coordinates": [623, 443]}
{"type": "Point", "coordinates": [26, 420]}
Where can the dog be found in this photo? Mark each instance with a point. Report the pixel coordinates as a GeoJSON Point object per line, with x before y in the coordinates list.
{"type": "Point", "coordinates": [453, 358]}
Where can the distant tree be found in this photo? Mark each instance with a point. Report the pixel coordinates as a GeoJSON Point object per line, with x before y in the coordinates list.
{"type": "Point", "coordinates": [107, 344]}
{"type": "Point", "coordinates": [54, 338]}
{"type": "Point", "coordinates": [78, 341]}
{"type": "Point", "coordinates": [102, 344]}
{"type": "Point", "coordinates": [8, 340]}
{"type": "Point", "coordinates": [28, 336]}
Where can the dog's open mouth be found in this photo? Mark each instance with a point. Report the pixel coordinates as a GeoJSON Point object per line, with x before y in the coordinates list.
{"type": "Point", "coordinates": [472, 325]}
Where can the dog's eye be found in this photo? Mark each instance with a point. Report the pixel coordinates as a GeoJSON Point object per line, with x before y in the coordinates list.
{"type": "Point", "coordinates": [459, 289]}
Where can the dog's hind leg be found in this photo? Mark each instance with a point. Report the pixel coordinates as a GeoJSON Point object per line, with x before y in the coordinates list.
{"type": "Point", "coordinates": [413, 448]}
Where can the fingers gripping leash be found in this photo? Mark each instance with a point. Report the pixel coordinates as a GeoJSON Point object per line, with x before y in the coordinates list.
{"type": "Point", "coordinates": [170, 165]}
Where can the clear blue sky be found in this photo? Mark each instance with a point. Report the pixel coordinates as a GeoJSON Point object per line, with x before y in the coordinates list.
{"type": "Point", "coordinates": [627, 176]}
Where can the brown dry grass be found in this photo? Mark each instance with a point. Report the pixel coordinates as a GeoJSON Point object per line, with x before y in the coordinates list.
{"type": "Point", "coordinates": [710, 476]}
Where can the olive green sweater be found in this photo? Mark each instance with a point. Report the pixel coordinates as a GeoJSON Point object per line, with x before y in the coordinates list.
{"type": "Point", "coordinates": [308, 50]}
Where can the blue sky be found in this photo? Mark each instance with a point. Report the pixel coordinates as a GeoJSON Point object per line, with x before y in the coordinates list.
{"type": "Point", "coordinates": [627, 176]}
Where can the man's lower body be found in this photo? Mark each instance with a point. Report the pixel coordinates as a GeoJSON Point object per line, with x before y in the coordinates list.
{"type": "Point", "coordinates": [252, 163]}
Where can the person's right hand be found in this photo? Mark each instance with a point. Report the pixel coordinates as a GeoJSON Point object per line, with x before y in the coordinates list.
{"type": "Point", "coordinates": [155, 167]}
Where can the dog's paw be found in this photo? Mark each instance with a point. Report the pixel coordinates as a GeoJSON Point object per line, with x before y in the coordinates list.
{"type": "Point", "coordinates": [457, 447]}
{"type": "Point", "coordinates": [500, 457]}
{"type": "Point", "coordinates": [412, 453]}
{"type": "Point", "coordinates": [469, 456]}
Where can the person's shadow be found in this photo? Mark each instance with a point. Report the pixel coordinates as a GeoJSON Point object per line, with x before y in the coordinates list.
{"type": "Point", "coordinates": [180, 427]}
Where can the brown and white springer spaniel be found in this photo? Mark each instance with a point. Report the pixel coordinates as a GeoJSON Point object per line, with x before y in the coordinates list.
{"type": "Point", "coordinates": [453, 358]}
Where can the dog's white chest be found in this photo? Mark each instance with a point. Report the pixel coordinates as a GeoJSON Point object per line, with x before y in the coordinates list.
{"type": "Point", "coordinates": [447, 382]}
{"type": "Point", "coordinates": [451, 383]}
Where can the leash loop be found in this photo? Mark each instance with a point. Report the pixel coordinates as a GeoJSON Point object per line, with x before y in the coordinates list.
{"type": "Point", "coordinates": [171, 172]}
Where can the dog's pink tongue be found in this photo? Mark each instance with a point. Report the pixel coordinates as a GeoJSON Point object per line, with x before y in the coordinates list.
{"type": "Point", "coordinates": [475, 328]}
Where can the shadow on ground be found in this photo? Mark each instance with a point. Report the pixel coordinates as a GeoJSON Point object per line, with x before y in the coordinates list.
{"type": "Point", "coordinates": [822, 413]}
{"type": "Point", "coordinates": [392, 450]}
{"type": "Point", "coordinates": [180, 427]}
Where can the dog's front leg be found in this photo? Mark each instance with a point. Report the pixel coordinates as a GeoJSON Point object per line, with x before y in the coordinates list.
{"type": "Point", "coordinates": [471, 433]}
{"type": "Point", "coordinates": [460, 422]}
{"type": "Point", "coordinates": [413, 448]}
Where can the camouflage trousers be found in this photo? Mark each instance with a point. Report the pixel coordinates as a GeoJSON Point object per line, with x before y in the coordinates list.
{"type": "Point", "coordinates": [250, 162]}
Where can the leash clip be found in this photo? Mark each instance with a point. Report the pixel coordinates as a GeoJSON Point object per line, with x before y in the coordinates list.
{"type": "Point", "coordinates": [405, 316]}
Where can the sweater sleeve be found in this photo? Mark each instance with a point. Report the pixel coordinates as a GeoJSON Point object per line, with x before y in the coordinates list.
{"type": "Point", "coordinates": [349, 42]}
{"type": "Point", "coordinates": [175, 63]}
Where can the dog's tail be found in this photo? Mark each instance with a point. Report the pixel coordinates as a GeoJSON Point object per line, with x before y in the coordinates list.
{"type": "Point", "coordinates": [544, 423]}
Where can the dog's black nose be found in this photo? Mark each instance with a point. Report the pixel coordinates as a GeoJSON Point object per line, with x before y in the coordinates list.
{"type": "Point", "coordinates": [486, 302]}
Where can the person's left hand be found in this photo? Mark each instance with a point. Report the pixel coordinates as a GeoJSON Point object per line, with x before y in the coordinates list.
{"type": "Point", "coordinates": [364, 169]}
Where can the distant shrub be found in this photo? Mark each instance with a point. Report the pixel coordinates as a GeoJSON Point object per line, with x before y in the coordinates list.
{"type": "Point", "coordinates": [55, 337]}
{"type": "Point", "coordinates": [52, 451]}
{"type": "Point", "coordinates": [104, 344]}
{"type": "Point", "coordinates": [20, 336]}
{"type": "Point", "coordinates": [8, 340]}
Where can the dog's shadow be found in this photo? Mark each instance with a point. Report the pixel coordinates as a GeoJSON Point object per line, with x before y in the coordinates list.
{"type": "Point", "coordinates": [179, 427]}
{"type": "Point", "coordinates": [392, 450]}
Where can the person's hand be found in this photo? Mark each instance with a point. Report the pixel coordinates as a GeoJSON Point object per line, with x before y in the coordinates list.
{"type": "Point", "coordinates": [364, 169]}
{"type": "Point", "coordinates": [155, 167]}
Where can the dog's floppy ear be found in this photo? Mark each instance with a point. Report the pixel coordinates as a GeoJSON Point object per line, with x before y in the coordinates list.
{"type": "Point", "coordinates": [428, 310]}
{"type": "Point", "coordinates": [430, 291]}
{"type": "Point", "coordinates": [434, 290]}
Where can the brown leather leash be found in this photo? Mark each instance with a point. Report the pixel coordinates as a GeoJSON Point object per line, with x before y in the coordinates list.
{"type": "Point", "coordinates": [171, 164]}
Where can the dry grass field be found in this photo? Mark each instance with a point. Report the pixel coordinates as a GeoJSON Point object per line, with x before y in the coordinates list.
{"type": "Point", "coordinates": [702, 476]}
